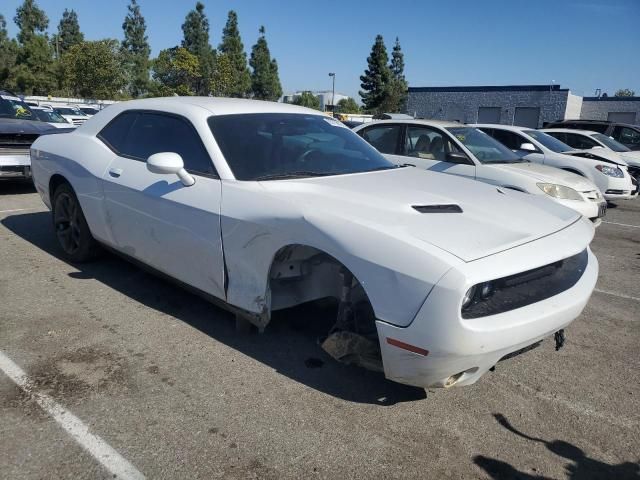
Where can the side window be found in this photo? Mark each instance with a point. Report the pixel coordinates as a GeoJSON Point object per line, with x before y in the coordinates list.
{"type": "Point", "coordinates": [156, 132]}
{"type": "Point", "coordinates": [579, 141]}
{"type": "Point", "coordinates": [423, 142]}
{"type": "Point", "coordinates": [511, 140]}
{"type": "Point", "coordinates": [115, 133]}
{"type": "Point", "coordinates": [626, 135]}
{"type": "Point", "coordinates": [383, 137]}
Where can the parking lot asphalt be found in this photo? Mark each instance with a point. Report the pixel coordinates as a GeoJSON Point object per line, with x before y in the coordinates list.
{"type": "Point", "coordinates": [161, 377]}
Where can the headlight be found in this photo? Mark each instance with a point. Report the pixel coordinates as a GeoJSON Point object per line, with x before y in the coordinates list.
{"type": "Point", "coordinates": [559, 191]}
{"type": "Point", "coordinates": [610, 171]}
{"type": "Point", "coordinates": [468, 297]}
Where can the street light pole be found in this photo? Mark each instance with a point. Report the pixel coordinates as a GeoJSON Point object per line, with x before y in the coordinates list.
{"type": "Point", "coordinates": [333, 94]}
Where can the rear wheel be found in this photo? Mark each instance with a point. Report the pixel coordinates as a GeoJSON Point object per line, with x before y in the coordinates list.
{"type": "Point", "coordinates": [72, 231]}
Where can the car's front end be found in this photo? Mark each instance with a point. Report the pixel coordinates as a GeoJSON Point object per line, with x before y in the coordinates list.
{"type": "Point", "coordinates": [485, 310]}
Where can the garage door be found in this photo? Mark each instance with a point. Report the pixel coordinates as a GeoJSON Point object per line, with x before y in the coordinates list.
{"type": "Point", "coordinates": [489, 115]}
{"type": "Point", "coordinates": [527, 117]}
{"type": "Point", "coordinates": [622, 117]}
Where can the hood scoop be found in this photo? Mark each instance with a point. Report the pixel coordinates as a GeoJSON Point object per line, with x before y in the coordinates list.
{"type": "Point", "coordinates": [448, 208]}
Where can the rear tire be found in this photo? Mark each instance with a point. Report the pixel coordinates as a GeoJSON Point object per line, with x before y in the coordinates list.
{"type": "Point", "coordinates": [72, 232]}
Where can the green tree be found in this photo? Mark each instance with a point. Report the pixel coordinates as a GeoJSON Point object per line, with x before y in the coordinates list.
{"type": "Point", "coordinates": [8, 53]}
{"type": "Point", "coordinates": [307, 99]}
{"type": "Point", "coordinates": [376, 77]}
{"type": "Point", "coordinates": [31, 20]}
{"type": "Point", "coordinates": [69, 33]}
{"type": "Point", "coordinates": [196, 40]}
{"type": "Point", "coordinates": [232, 47]}
{"type": "Point", "coordinates": [265, 82]}
{"type": "Point", "coordinates": [176, 71]}
{"type": "Point", "coordinates": [222, 80]}
{"type": "Point", "coordinates": [624, 92]}
{"type": "Point", "coordinates": [135, 51]}
{"type": "Point", "coordinates": [95, 69]}
{"type": "Point", "coordinates": [397, 88]}
{"type": "Point", "coordinates": [347, 105]}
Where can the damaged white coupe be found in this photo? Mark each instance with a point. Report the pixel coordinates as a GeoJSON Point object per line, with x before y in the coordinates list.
{"type": "Point", "coordinates": [262, 206]}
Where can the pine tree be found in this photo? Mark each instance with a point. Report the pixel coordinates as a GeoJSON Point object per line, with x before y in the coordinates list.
{"type": "Point", "coordinates": [34, 72]}
{"type": "Point", "coordinates": [265, 82]}
{"type": "Point", "coordinates": [376, 77]}
{"type": "Point", "coordinates": [196, 41]}
{"type": "Point", "coordinates": [8, 53]}
{"type": "Point", "coordinates": [232, 47]}
{"type": "Point", "coordinates": [135, 50]}
{"type": "Point", "coordinates": [69, 33]}
{"type": "Point", "coordinates": [31, 20]}
{"type": "Point", "coordinates": [397, 88]}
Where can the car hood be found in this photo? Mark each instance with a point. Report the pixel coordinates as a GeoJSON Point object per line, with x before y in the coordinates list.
{"type": "Point", "coordinates": [632, 158]}
{"type": "Point", "coordinates": [543, 173]}
{"type": "Point", "coordinates": [601, 154]}
{"type": "Point", "coordinates": [492, 220]}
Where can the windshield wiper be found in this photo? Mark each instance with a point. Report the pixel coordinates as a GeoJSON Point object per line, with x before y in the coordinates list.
{"type": "Point", "coordinates": [389, 167]}
{"type": "Point", "coordinates": [286, 175]}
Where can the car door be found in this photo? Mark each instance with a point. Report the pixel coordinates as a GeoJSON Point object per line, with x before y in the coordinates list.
{"type": "Point", "coordinates": [155, 218]}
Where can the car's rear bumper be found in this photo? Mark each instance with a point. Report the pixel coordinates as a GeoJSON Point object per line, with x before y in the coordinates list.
{"type": "Point", "coordinates": [440, 348]}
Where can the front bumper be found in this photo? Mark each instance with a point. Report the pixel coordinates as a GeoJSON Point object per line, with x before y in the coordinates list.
{"type": "Point", "coordinates": [465, 349]}
{"type": "Point", "coordinates": [15, 166]}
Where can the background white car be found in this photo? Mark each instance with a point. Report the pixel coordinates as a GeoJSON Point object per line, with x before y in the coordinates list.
{"type": "Point", "coordinates": [71, 113]}
{"type": "Point", "coordinates": [52, 118]}
{"type": "Point", "coordinates": [262, 206]}
{"type": "Point", "coordinates": [448, 147]}
{"type": "Point", "coordinates": [586, 139]}
{"type": "Point", "coordinates": [606, 169]}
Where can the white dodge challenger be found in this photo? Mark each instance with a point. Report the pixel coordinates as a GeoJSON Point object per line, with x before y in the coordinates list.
{"type": "Point", "coordinates": [262, 206]}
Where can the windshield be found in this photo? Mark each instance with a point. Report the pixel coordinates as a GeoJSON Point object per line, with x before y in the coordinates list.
{"type": "Point", "coordinates": [13, 107]}
{"type": "Point", "coordinates": [88, 110]}
{"type": "Point", "coordinates": [48, 116]}
{"type": "Point", "coordinates": [68, 111]}
{"type": "Point", "coordinates": [610, 142]}
{"type": "Point", "coordinates": [548, 141]}
{"type": "Point", "coordinates": [271, 146]}
{"type": "Point", "coordinates": [483, 147]}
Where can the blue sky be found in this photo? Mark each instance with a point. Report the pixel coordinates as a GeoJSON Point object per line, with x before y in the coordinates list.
{"type": "Point", "coordinates": [580, 44]}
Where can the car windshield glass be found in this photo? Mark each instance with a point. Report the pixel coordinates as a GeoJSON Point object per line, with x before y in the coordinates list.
{"type": "Point", "coordinates": [548, 141]}
{"type": "Point", "coordinates": [483, 147]}
{"type": "Point", "coordinates": [13, 107]}
{"type": "Point", "coordinates": [89, 111]}
{"type": "Point", "coordinates": [69, 111]}
{"type": "Point", "coordinates": [611, 143]}
{"type": "Point", "coordinates": [271, 146]}
{"type": "Point", "coordinates": [48, 116]}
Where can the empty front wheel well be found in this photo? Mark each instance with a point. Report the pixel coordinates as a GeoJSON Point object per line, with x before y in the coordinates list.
{"type": "Point", "coordinates": [54, 182]}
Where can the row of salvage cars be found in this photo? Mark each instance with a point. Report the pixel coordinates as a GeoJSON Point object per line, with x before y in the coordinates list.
{"type": "Point", "coordinates": [263, 206]}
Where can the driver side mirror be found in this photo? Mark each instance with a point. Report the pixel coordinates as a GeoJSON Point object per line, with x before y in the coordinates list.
{"type": "Point", "coordinates": [528, 147]}
{"type": "Point", "coordinates": [169, 163]}
{"type": "Point", "coordinates": [458, 157]}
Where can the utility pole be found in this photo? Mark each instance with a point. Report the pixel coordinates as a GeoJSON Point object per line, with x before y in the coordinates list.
{"type": "Point", "coordinates": [333, 94]}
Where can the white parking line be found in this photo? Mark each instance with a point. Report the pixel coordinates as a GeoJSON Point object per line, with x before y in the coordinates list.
{"type": "Point", "coordinates": [98, 448]}
{"type": "Point", "coordinates": [622, 224]}
{"type": "Point", "coordinates": [616, 294]}
{"type": "Point", "coordinates": [17, 210]}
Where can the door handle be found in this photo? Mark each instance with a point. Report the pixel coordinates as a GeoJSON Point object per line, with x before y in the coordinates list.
{"type": "Point", "coordinates": [115, 172]}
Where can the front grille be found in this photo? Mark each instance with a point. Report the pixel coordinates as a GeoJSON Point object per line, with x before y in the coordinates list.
{"type": "Point", "coordinates": [525, 288]}
{"type": "Point", "coordinates": [17, 140]}
{"type": "Point", "coordinates": [78, 121]}
{"type": "Point", "coordinates": [617, 192]}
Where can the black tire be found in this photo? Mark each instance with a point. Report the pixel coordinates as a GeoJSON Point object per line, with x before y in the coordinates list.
{"type": "Point", "coordinates": [72, 232]}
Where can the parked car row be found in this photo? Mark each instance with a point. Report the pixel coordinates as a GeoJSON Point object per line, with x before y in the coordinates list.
{"type": "Point", "coordinates": [263, 206]}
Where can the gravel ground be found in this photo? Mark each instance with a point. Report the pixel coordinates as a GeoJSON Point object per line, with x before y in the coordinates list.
{"type": "Point", "coordinates": [163, 378]}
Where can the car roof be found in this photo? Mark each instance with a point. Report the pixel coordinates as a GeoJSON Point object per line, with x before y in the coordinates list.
{"type": "Point", "coordinates": [215, 105]}
{"type": "Point", "coordinates": [569, 130]}
{"type": "Point", "coordinates": [513, 128]}
{"type": "Point", "coordinates": [421, 121]}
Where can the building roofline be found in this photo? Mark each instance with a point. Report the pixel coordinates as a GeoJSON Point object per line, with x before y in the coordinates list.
{"type": "Point", "coordinates": [491, 88]}
{"type": "Point", "coordinates": [611, 99]}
